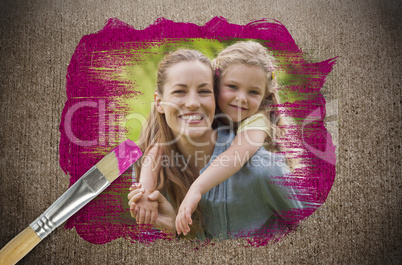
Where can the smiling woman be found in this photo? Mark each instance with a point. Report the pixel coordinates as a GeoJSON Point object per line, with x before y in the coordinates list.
{"type": "Point", "coordinates": [179, 124]}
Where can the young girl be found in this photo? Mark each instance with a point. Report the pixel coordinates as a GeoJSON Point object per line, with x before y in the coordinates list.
{"type": "Point", "coordinates": [246, 95]}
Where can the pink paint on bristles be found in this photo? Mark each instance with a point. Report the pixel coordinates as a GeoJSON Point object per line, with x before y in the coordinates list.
{"type": "Point", "coordinates": [127, 153]}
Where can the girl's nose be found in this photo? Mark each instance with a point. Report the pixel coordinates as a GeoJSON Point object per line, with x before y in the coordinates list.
{"type": "Point", "coordinates": [241, 97]}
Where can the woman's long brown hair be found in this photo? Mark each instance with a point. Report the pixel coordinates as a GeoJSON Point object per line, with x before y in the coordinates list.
{"type": "Point", "coordinates": [175, 179]}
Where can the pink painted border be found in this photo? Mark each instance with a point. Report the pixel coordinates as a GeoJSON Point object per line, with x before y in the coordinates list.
{"type": "Point", "coordinates": [100, 221]}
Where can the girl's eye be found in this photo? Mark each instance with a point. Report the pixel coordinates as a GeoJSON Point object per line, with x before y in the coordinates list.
{"type": "Point", "coordinates": [232, 86]}
{"type": "Point", "coordinates": [254, 92]}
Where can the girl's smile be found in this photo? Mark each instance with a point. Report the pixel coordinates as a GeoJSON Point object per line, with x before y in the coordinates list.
{"type": "Point", "coordinates": [239, 108]}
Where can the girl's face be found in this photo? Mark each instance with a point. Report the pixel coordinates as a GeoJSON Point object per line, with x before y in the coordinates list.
{"type": "Point", "coordinates": [188, 99]}
{"type": "Point", "coordinates": [241, 91]}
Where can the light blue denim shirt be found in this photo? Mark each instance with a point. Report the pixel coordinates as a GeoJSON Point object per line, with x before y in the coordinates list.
{"type": "Point", "coordinates": [251, 201]}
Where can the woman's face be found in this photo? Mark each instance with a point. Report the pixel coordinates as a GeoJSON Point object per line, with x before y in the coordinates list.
{"type": "Point", "coordinates": [188, 99]}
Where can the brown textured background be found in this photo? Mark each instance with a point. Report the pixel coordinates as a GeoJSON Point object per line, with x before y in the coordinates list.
{"type": "Point", "coordinates": [360, 223]}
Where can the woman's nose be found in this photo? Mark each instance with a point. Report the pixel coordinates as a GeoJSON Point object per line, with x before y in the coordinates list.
{"type": "Point", "coordinates": [192, 101]}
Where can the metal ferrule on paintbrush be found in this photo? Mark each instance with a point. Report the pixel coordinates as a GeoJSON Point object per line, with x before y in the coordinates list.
{"type": "Point", "coordinates": [90, 185]}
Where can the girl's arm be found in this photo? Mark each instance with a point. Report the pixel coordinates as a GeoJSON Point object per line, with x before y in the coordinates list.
{"type": "Point", "coordinates": [145, 211]}
{"type": "Point", "coordinates": [150, 169]}
{"type": "Point", "coordinates": [243, 147]}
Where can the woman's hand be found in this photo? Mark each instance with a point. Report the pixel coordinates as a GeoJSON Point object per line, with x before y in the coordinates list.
{"type": "Point", "coordinates": [166, 213]}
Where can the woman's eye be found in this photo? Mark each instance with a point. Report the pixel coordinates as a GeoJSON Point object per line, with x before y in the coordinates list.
{"type": "Point", "coordinates": [206, 91]}
{"type": "Point", "coordinates": [178, 91]}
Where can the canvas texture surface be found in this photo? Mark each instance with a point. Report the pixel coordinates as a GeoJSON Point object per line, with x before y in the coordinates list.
{"type": "Point", "coordinates": [358, 224]}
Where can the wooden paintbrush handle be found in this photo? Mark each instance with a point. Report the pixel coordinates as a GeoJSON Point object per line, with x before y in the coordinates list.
{"type": "Point", "coordinates": [19, 246]}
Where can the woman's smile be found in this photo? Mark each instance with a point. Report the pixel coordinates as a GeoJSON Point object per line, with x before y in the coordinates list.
{"type": "Point", "coordinates": [192, 117]}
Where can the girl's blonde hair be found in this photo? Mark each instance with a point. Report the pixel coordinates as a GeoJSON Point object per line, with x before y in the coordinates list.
{"type": "Point", "coordinates": [254, 54]}
{"type": "Point", "coordinates": [174, 180]}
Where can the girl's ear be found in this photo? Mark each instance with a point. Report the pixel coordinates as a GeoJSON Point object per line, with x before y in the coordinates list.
{"type": "Point", "coordinates": [158, 100]}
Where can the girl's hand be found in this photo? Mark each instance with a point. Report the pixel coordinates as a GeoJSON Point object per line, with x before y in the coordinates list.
{"type": "Point", "coordinates": [187, 207]}
{"type": "Point", "coordinates": [136, 192]}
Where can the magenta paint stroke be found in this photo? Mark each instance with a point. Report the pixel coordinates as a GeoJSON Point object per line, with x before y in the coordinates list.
{"type": "Point", "coordinates": [106, 218]}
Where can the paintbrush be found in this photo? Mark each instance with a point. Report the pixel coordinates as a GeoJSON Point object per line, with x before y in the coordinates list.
{"type": "Point", "coordinates": [90, 185]}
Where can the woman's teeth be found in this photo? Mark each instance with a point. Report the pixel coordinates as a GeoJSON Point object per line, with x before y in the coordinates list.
{"type": "Point", "coordinates": [192, 117]}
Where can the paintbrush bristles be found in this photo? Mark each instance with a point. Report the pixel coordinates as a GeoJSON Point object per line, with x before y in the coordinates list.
{"type": "Point", "coordinates": [109, 167]}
